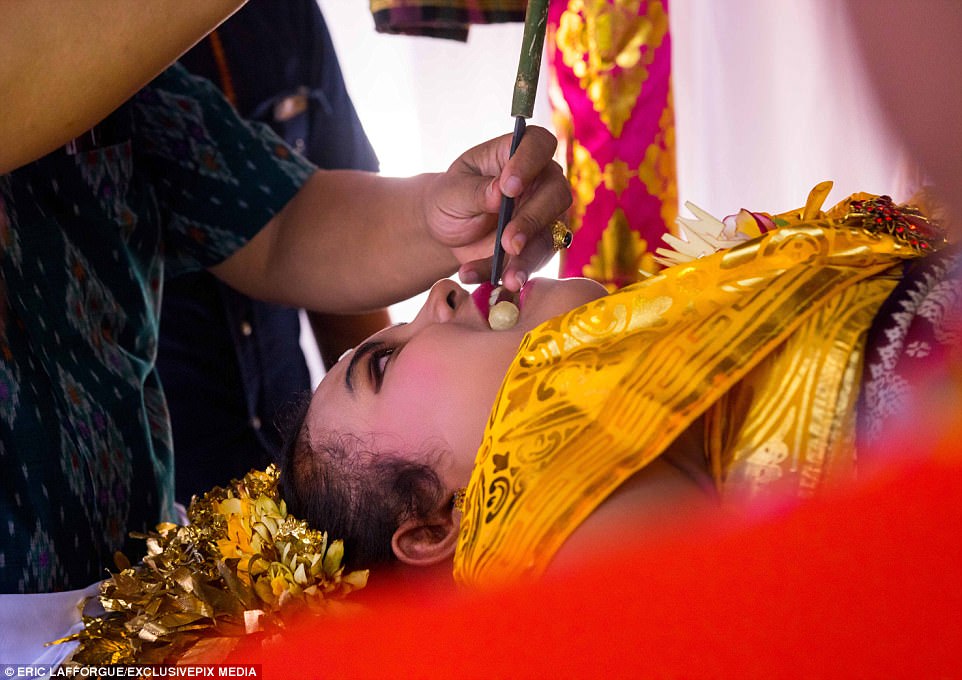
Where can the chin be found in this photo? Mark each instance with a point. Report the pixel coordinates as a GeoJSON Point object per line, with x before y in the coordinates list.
{"type": "Point", "coordinates": [542, 299]}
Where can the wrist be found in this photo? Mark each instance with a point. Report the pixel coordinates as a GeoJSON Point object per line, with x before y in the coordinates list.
{"type": "Point", "coordinates": [429, 217]}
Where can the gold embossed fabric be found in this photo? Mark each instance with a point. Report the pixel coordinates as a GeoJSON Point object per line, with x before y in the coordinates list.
{"type": "Point", "coordinates": [614, 114]}
{"type": "Point", "coordinates": [764, 340]}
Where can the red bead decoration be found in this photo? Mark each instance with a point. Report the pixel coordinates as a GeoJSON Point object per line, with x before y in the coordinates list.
{"type": "Point", "coordinates": [906, 223]}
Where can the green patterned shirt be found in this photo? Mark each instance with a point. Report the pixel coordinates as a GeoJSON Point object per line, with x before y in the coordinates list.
{"type": "Point", "coordinates": [177, 182]}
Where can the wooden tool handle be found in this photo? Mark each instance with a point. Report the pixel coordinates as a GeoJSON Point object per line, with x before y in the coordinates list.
{"type": "Point", "coordinates": [529, 65]}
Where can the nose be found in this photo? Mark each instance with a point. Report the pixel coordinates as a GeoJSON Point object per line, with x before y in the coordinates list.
{"type": "Point", "coordinates": [443, 301]}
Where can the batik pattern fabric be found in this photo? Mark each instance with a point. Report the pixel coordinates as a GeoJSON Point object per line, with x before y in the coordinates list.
{"type": "Point", "coordinates": [764, 341]}
{"type": "Point", "coordinates": [448, 19]}
{"type": "Point", "coordinates": [613, 110]}
{"type": "Point", "coordinates": [178, 182]}
{"type": "Point", "coordinates": [913, 346]}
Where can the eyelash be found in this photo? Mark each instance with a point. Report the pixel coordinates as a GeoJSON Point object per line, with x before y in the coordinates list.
{"type": "Point", "coordinates": [375, 367]}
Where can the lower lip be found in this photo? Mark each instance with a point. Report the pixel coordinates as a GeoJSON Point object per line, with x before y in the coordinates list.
{"type": "Point", "coordinates": [481, 296]}
{"type": "Point", "coordinates": [525, 290]}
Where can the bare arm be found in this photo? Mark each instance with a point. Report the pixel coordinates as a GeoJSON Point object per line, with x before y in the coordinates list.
{"type": "Point", "coordinates": [347, 242]}
{"type": "Point", "coordinates": [68, 63]}
{"type": "Point", "coordinates": [659, 500]}
{"type": "Point", "coordinates": [351, 241]}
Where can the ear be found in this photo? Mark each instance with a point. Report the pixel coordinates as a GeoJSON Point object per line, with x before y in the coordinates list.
{"type": "Point", "coordinates": [423, 543]}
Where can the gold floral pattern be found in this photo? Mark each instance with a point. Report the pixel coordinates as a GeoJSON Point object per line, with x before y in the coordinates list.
{"type": "Point", "coordinates": [615, 115]}
{"type": "Point", "coordinates": [585, 176]}
{"type": "Point", "coordinates": [610, 264]}
{"type": "Point", "coordinates": [609, 46]}
{"type": "Point", "coordinates": [620, 255]}
{"type": "Point", "coordinates": [657, 171]}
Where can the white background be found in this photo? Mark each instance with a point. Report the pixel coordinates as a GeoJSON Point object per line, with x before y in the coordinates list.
{"type": "Point", "coordinates": [769, 100]}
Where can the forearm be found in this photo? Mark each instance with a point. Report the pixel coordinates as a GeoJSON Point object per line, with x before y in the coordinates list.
{"type": "Point", "coordinates": [68, 63]}
{"type": "Point", "coordinates": [347, 242]}
{"type": "Point", "coordinates": [351, 241]}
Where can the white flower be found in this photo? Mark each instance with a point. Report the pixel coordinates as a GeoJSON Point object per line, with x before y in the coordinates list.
{"type": "Point", "coordinates": [918, 349]}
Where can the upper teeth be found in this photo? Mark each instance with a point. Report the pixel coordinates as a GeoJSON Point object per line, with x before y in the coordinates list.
{"type": "Point", "coordinates": [501, 315]}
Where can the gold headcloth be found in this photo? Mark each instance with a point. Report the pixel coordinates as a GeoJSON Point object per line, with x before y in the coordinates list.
{"type": "Point", "coordinates": [763, 339]}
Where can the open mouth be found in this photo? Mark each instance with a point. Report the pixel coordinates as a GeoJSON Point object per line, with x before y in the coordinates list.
{"type": "Point", "coordinates": [486, 296]}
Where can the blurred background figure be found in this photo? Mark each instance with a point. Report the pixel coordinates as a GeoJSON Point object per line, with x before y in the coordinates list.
{"type": "Point", "coordinates": [230, 364]}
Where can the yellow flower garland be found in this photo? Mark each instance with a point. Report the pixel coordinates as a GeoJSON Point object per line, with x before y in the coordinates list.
{"type": "Point", "coordinates": [242, 566]}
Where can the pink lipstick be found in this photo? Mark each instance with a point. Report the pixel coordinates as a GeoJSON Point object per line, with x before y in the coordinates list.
{"type": "Point", "coordinates": [497, 305]}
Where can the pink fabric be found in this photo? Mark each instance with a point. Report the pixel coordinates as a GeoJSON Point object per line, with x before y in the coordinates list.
{"type": "Point", "coordinates": [651, 122]}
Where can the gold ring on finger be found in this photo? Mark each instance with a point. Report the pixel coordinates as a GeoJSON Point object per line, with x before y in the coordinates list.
{"type": "Point", "coordinates": [561, 236]}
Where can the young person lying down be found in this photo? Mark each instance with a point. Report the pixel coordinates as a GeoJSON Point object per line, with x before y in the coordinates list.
{"type": "Point", "coordinates": [731, 377]}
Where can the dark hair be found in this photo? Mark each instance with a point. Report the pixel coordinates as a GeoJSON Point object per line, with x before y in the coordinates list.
{"type": "Point", "coordinates": [341, 486]}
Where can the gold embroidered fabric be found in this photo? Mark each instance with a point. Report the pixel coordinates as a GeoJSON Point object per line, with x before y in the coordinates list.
{"type": "Point", "coordinates": [614, 115]}
{"type": "Point", "coordinates": [764, 340]}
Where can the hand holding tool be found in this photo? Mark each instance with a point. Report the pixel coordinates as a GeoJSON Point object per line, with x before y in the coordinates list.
{"type": "Point", "coordinates": [522, 107]}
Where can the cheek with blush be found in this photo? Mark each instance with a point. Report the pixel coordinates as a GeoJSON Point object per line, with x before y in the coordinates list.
{"type": "Point", "coordinates": [455, 394]}
{"type": "Point", "coordinates": [423, 379]}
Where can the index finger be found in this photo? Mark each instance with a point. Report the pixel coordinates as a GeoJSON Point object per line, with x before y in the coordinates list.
{"type": "Point", "coordinates": [534, 153]}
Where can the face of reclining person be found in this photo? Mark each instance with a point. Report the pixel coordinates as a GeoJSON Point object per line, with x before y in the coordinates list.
{"type": "Point", "coordinates": [429, 385]}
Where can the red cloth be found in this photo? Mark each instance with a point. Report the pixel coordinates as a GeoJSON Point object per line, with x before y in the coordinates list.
{"type": "Point", "coordinates": [862, 585]}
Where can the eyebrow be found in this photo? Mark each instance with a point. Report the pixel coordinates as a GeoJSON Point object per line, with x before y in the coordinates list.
{"type": "Point", "coordinates": [362, 351]}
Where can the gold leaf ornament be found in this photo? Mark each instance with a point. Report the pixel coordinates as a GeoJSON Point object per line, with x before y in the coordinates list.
{"type": "Point", "coordinates": [242, 567]}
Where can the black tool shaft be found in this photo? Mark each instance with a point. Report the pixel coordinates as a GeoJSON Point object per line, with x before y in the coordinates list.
{"type": "Point", "coordinates": [522, 106]}
{"type": "Point", "coordinates": [506, 210]}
